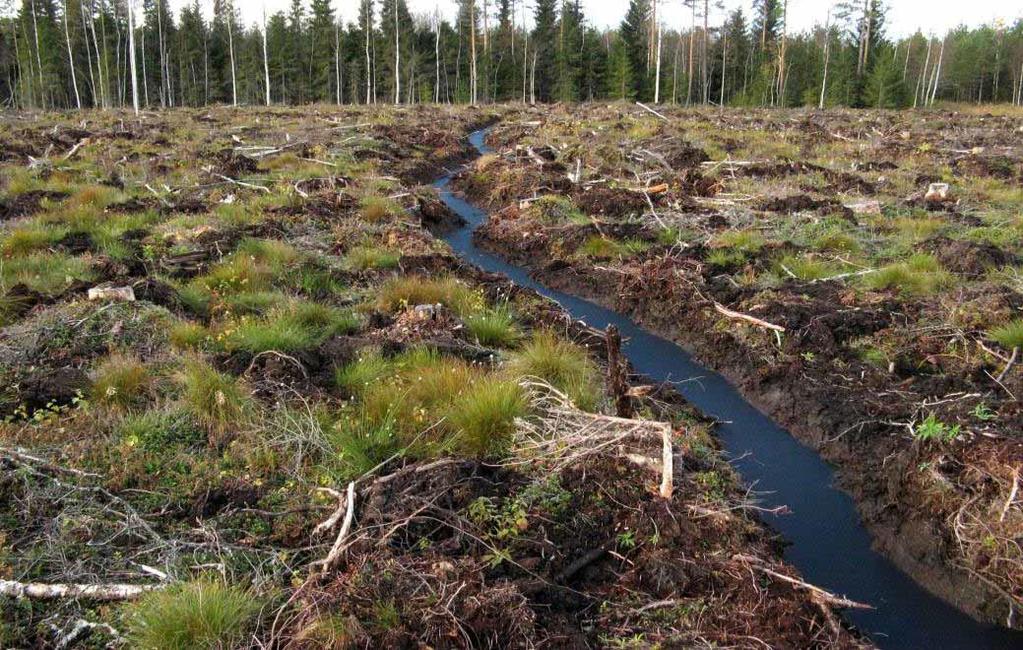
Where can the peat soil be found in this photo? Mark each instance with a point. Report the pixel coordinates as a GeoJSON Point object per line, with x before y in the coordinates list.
{"type": "Point", "coordinates": [918, 499]}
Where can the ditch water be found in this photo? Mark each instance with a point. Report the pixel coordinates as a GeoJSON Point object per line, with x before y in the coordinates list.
{"type": "Point", "coordinates": [829, 544]}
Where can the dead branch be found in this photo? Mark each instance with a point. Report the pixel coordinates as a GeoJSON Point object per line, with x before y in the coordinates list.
{"type": "Point", "coordinates": [1012, 494]}
{"type": "Point", "coordinates": [1008, 365]}
{"type": "Point", "coordinates": [650, 110]}
{"type": "Point", "coordinates": [243, 183]}
{"type": "Point", "coordinates": [335, 552]}
{"type": "Point", "coordinates": [71, 153]}
{"type": "Point", "coordinates": [746, 317]}
{"type": "Point", "coordinates": [818, 593]}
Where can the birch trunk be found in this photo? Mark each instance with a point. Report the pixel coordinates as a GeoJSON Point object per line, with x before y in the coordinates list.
{"type": "Point", "coordinates": [39, 57]}
{"type": "Point", "coordinates": [131, 57]}
{"type": "Point", "coordinates": [937, 72]}
{"type": "Point", "coordinates": [71, 58]}
{"type": "Point", "coordinates": [397, 57]}
{"type": "Point", "coordinates": [369, 70]}
{"type": "Point", "coordinates": [266, 62]}
{"type": "Point", "coordinates": [657, 74]}
{"type": "Point", "coordinates": [230, 48]}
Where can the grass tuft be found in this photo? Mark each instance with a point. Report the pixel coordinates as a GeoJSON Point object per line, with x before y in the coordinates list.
{"type": "Point", "coordinates": [216, 401]}
{"type": "Point", "coordinates": [199, 614]}
{"type": "Point", "coordinates": [408, 291]}
{"type": "Point", "coordinates": [563, 364]}
{"type": "Point", "coordinates": [493, 327]}
{"type": "Point", "coordinates": [121, 381]}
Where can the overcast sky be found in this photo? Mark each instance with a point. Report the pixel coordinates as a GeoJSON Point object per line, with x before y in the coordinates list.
{"type": "Point", "coordinates": [904, 16]}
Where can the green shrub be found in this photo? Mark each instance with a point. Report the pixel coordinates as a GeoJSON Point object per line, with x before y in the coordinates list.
{"type": "Point", "coordinates": [408, 291]}
{"type": "Point", "coordinates": [933, 429]}
{"type": "Point", "coordinates": [1008, 335]}
{"type": "Point", "coordinates": [561, 363]}
{"type": "Point", "coordinates": [196, 615]}
{"type": "Point", "coordinates": [158, 430]}
{"type": "Point", "coordinates": [493, 327]}
{"type": "Point", "coordinates": [121, 381]}
{"type": "Point", "coordinates": [216, 401]}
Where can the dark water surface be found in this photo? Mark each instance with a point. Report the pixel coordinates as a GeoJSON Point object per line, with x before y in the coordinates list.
{"type": "Point", "coordinates": [829, 545]}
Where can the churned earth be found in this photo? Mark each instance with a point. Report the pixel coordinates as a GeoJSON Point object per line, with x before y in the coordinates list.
{"type": "Point", "coordinates": [250, 400]}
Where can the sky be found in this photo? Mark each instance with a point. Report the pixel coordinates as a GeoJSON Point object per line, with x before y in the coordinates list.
{"type": "Point", "coordinates": [904, 16]}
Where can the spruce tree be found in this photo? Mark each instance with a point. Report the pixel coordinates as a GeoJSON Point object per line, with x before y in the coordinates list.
{"type": "Point", "coordinates": [634, 39]}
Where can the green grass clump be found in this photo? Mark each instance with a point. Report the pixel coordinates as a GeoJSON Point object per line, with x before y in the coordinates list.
{"type": "Point", "coordinates": [408, 291]}
{"type": "Point", "coordinates": [744, 241]}
{"type": "Point", "coordinates": [159, 430]}
{"type": "Point", "coordinates": [356, 377]}
{"type": "Point", "coordinates": [45, 272]}
{"type": "Point", "coordinates": [376, 209]}
{"type": "Point", "coordinates": [190, 616]}
{"type": "Point", "coordinates": [1008, 335]}
{"type": "Point", "coordinates": [837, 241]}
{"type": "Point", "coordinates": [493, 327]}
{"type": "Point", "coordinates": [30, 237]}
{"type": "Point", "coordinates": [256, 265]}
{"type": "Point", "coordinates": [563, 364]}
{"type": "Point", "coordinates": [361, 443]}
{"type": "Point", "coordinates": [808, 268]}
{"type": "Point", "coordinates": [216, 401]}
{"type": "Point", "coordinates": [917, 229]}
{"type": "Point", "coordinates": [602, 248]}
{"type": "Point", "coordinates": [483, 417]}
{"type": "Point", "coordinates": [365, 258]}
{"type": "Point", "coordinates": [558, 209]}
{"type": "Point", "coordinates": [302, 325]}
{"type": "Point", "coordinates": [121, 381]}
{"type": "Point", "coordinates": [921, 274]}
{"type": "Point", "coordinates": [254, 302]}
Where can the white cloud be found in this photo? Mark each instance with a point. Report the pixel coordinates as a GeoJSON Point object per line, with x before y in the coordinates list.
{"type": "Point", "coordinates": [904, 16]}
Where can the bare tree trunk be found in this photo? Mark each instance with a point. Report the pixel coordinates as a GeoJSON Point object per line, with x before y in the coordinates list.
{"type": "Point", "coordinates": [657, 74]}
{"type": "Point", "coordinates": [230, 47]}
{"type": "Point", "coordinates": [937, 71]}
{"type": "Point", "coordinates": [99, 59]}
{"type": "Point", "coordinates": [397, 58]}
{"type": "Point", "coordinates": [525, 56]}
{"type": "Point", "coordinates": [472, 49]}
{"type": "Point", "coordinates": [337, 59]}
{"type": "Point", "coordinates": [165, 90]}
{"type": "Point", "coordinates": [266, 62]}
{"type": "Point", "coordinates": [692, 43]}
{"type": "Point", "coordinates": [436, 56]}
{"type": "Point", "coordinates": [905, 68]}
{"type": "Point", "coordinates": [782, 51]}
{"type": "Point", "coordinates": [131, 56]}
{"type": "Point", "coordinates": [724, 65]}
{"type": "Point", "coordinates": [71, 58]}
{"type": "Point", "coordinates": [827, 59]}
{"type": "Point", "coordinates": [704, 55]}
{"type": "Point", "coordinates": [145, 74]}
{"type": "Point", "coordinates": [369, 69]}
{"type": "Point", "coordinates": [39, 57]}
{"type": "Point", "coordinates": [532, 81]}
{"type": "Point", "coordinates": [920, 81]}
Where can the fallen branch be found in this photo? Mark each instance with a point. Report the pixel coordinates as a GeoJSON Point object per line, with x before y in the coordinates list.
{"type": "Point", "coordinates": [667, 464]}
{"type": "Point", "coordinates": [40, 591]}
{"type": "Point", "coordinates": [647, 108]}
{"type": "Point", "coordinates": [1008, 365]}
{"type": "Point", "coordinates": [70, 154]}
{"type": "Point", "coordinates": [335, 551]}
{"type": "Point", "coordinates": [823, 595]}
{"type": "Point", "coordinates": [243, 183]}
{"type": "Point", "coordinates": [1012, 495]}
{"type": "Point", "coordinates": [746, 317]}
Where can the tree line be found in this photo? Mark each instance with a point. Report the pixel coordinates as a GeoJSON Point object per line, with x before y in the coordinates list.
{"type": "Point", "coordinates": [110, 53]}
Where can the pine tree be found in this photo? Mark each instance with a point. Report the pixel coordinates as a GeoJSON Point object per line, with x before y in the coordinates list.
{"type": "Point", "coordinates": [634, 39]}
{"type": "Point", "coordinates": [545, 41]}
{"type": "Point", "coordinates": [320, 43]}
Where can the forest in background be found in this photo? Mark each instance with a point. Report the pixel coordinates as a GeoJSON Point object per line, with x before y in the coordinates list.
{"type": "Point", "coordinates": [78, 53]}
